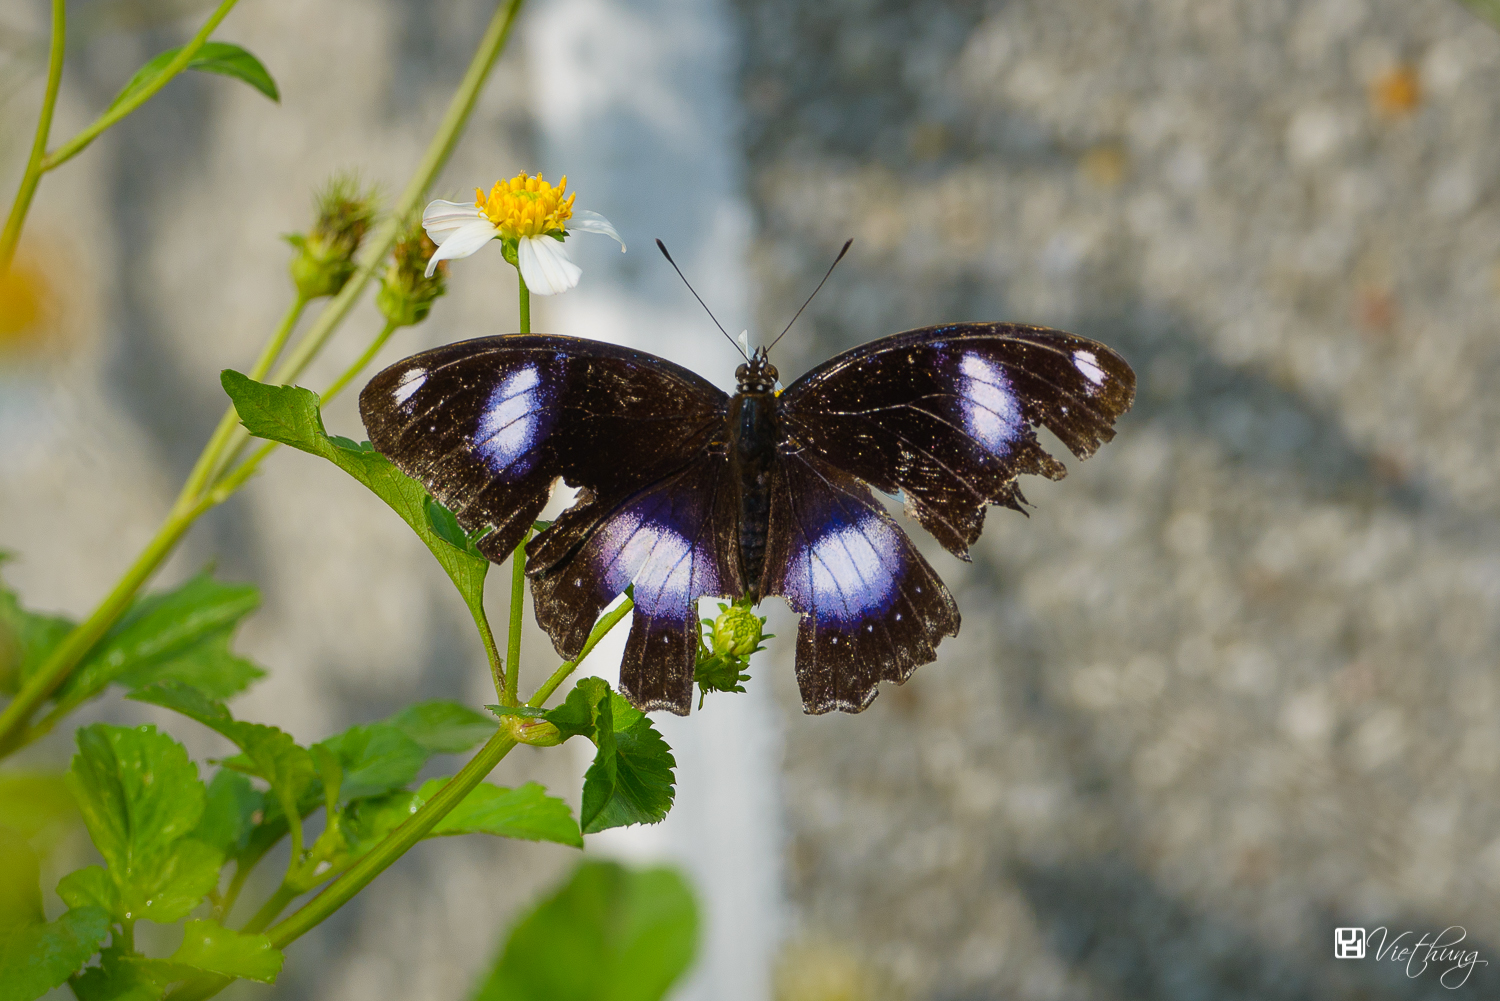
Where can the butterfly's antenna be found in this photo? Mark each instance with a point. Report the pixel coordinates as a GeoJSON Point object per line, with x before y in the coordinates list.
{"type": "Point", "coordinates": [663, 248]}
{"type": "Point", "coordinates": [847, 244]}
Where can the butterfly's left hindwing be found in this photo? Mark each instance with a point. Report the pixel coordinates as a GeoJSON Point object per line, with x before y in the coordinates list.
{"type": "Point", "coordinates": [872, 609]}
{"type": "Point", "coordinates": [489, 425]}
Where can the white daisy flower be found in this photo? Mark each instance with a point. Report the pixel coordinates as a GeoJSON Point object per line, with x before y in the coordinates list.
{"type": "Point", "coordinates": [526, 210]}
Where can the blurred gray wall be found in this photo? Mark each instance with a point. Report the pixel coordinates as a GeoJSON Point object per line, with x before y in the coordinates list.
{"type": "Point", "coordinates": [1233, 683]}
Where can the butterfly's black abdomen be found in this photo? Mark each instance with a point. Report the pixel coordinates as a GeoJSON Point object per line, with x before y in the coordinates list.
{"type": "Point", "coordinates": [752, 451]}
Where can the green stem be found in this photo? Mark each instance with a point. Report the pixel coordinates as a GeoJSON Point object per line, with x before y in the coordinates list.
{"type": "Point", "coordinates": [185, 55]}
{"type": "Point", "coordinates": [273, 906]}
{"type": "Point", "coordinates": [525, 304]}
{"type": "Point", "coordinates": [517, 606]}
{"type": "Point", "coordinates": [242, 871]}
{"type": "Point", "coordinates": [358, 366]}
{"type": "Point", "coordinates": [601, 629]}
{"type": "Point", "coordinates": [212, 461]}
{"type": "Point", "coordinates": [77, 644]}
{"type": "Point", "coordinates": [11, 235]}
{"type": "Point", "coordinates": [437, 155]}
{"type": "Point", "coordinates": [497, 666]}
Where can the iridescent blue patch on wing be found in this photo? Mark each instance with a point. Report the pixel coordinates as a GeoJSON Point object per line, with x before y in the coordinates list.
{"type": "Point", "coordinates": [514, 422]}
{"type": "Point", "coordinates": [851, 570]}
{"type": "Point", "coordinates": [988, 406]}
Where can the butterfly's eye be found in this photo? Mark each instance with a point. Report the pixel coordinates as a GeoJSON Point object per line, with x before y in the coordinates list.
{"type": "Point", "coordinates": [771, 373]}
{"type": "Point", "coordinates": [741, 372]}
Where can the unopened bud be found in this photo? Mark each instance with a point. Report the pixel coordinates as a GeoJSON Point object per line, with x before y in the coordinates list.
{"type": "Point", "coordinates": [325, 255]}
{"type": "Point", "coordinates": [737, 631]}
{"type": "Point", "coordinates": [406, 293]}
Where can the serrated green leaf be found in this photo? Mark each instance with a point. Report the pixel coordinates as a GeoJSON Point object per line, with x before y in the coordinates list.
{"type": "Point", "coordinates": [214, 57]}
{"type": "Point", "coordinates": [37, 957]}
{"type": "Point", "coordinates": [631, 780]}
{"type": "Point", "coordinates": [20, 883]}
{"type": "Point", "coordinates": [527, 813]}
{"type": "Point", "coordinates": [377, 758]}
{"type": "Point", "coordinates": [610, 934]}
{"type": "Point", "coordinates": [89, 887]}
{"type": "Point", "coordinates": [158, 630]}
{"type": "Point", "coordinates": [443, 727]}
{"type": "Point", "coordinates": [31, 802]}
{"type": "Point", "coordinates": [230, 811]}
{"type": "Point", "coordinates": [26, 638]}
{"type": "Point", "coordinates": [290, 415]}
{"type": "Point", "coordinates": [207, 945]}
{"type": "Point", "coordinates": [141, 798]}
{"type": "Point", "coordinates": [210, 666]}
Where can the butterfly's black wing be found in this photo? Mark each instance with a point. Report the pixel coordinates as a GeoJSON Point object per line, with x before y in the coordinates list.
{"type": "Point", "coordinates": [675, 540]}
{"type": "Point", "coordinates": [945, 414]}
{"type": "Point", "coordinates": [490, 425]}
{"type": "Point", "coordinates": [872, 609]}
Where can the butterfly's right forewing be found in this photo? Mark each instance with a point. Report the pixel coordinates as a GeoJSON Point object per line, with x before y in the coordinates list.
{"type": "Point", "coordinates": [489, 425]}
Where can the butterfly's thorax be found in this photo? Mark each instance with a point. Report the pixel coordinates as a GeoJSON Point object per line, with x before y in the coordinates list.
{"type": "Point", "coordinates": [752, 451]}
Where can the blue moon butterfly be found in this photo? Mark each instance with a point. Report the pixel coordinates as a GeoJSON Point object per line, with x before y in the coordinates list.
{"type": "Point", "coordinates": [687, 492]}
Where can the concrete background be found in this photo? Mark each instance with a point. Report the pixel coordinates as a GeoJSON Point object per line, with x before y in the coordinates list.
{"type": "Point", "coordinates": [1232, 684]}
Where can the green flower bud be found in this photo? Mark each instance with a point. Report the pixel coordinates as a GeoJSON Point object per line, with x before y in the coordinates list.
{"type": "Point", "coordinates": [737, 631]}
{"type": "Point", "coordinates": [325, 256]}
{"type": "Point", "coordinates": [406, 293]}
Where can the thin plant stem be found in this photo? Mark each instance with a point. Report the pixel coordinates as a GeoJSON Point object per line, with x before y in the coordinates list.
{"type": "Point", "coordinates": [273, 906]}
{"type": "Point", "coordinates": [73, 648]}
{"type": "Point", "coordinates": [78, 143]}
{"type": "Point", "coordinates": [359, 366]}
{"type": "Point", "coordinates": [11, 235]}
{"type": "Point", "coordinates": [517, 606]}
{"type": "Point", "coordinates": [600, 630]}
{"type": "Point", "coordinates": [211, 461]}
{"type": "Point", "coordinates": [525, 304]}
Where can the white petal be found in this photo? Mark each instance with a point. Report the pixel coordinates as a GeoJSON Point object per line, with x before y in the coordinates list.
{"type": "Point", "coordinates": [545, 266]}
{"type": "Point", "coordinates": [462, 242]}
{"type": "Point", "coordinates": [441, 218]}
{"type": "Point", "coordinates": [585, 221]}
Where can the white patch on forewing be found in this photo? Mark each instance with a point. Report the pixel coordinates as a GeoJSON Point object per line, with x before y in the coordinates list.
{"type": "Point", "coordinates": [655, 557]}
{"type": "Point", "coordinates": [410, 383]}
{"type": "Point", "coordinates": [1086, 363]}
{"type": "Point", "coordinates": [990, 412]}
{"type": "Point", "coordinates": [508, 428]}
{"type": "Point", "coordinates": [854, 569]}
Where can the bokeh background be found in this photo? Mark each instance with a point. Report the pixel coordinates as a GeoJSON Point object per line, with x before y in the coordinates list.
{"type": "Point", "coordinates": [1231, 685]}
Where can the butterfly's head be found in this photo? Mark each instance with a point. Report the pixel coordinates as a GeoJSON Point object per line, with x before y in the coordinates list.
{"type": "Point", "coordinates": [757, 375]}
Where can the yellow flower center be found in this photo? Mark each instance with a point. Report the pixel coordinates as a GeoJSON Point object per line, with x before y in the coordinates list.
{"type": "Point", "coordinates": [525, 206]}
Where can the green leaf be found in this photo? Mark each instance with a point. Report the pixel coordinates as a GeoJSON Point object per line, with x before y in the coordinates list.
{"type": "Point", "coordinates": [20, 883]}
{"type": "Point", "coordinates": [377, 758]}
{"type": "Point", "coordinates": [630, 781]}
{"type": "Point", "coordinates": [269, 753]}
{"type": "Point", "coordinates": [122, 976]}
{"type": "Point", "coordinates": [26, 638]}
{"type": "Point", "coordinates": [214, 57]}
{"type": "Point", "coordinates": [290, 415]}
{"type": "Point", "coordinates": [610, 934]}
{"type": "Point", "coordinates": [89, 887]}
{"type": "Point", "coordinates": [159, 630]}
{"type": "Point", "coordinates": [230, 812]}
{"type": "Point", "coordinates": [527, 813]}
{"type": "Point", "coordinates": [32, 802]}
{"type": "Point", "coordinates": [210, 666]}
{"type": "Point", "coordinates": [443, 727]}
{"type": "Point", "coordinates": [207, 945]}
{"type": "Point", "coordinates": [575, 717]}
{"type": "Point", "coordinates": [36, 957]}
